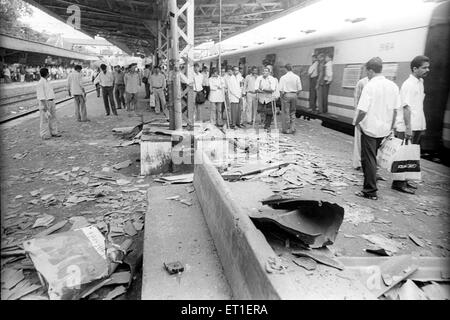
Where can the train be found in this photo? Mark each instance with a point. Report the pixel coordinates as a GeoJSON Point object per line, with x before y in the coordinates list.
{"type": "Point", "coordinates": [395, 39]}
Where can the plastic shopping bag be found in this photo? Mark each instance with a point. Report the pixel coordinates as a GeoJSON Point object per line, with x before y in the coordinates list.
{"type": "Point", "coordinates": [406, 164]}
{"type": "Point", "coordinates": [387, 151]}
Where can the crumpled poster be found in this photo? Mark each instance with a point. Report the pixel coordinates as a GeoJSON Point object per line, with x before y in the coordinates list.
{"type": "Point", "coordinates": [68, 261]}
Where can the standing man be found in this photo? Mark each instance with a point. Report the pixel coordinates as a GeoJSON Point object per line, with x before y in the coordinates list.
{"type": "Point", "coordinates": [411, 123]}
{"type": "Point", "coordinates": [357, 135]}
{"type": "Point", "coordinates": [7, 74]}
{"type": "Point", "coordinates": [216, 97]}
{"type": "Point", "coordinates": [146, 80]}
{"type": "Point", "coordinates": [119, 87]}
{"type": "Point", "coordinates": [234, 95]}
{"type": "Point", "coordinates": [75, 88]}
{"type": "Point", "coordinates": [106, 81]}
{"type": "Point", "coordinates": [265, 87]}
{"type": "Point", "coordinates": [205, 82]}
{"type": "Point", "coordinates": [47, 110]}
{"type": "Point", "coordinates": [313, 72]}
{"type": "Point", "coordinates": [324, 80]}
{"type": "Point", "coordinates": [199, 77]}
{"type": "Point", "coordinates": [158, 83]}
{"type": "Point", "coordinates": [290, 86]}
{"type": "Point", "coordinates": [377, 110]}
{"type": "Point", "coordinates": [132, 80]}
{"type": "Point", "coordinates": [249, 91]}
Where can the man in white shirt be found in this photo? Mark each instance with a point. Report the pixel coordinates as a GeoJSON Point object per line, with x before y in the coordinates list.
{"type": "Point", "coordinates": [158, 84]}
{"type": "Point", "coordinates": [194, 115]}
{"type": "Point", "coordinates": [47, 109]}
{"type": "Point", "coordinates": [377, 110]}
{"type": "Point", "coordinates": [357, 135]}
{"type": "Point", "coordinates": [234, 95]}
{"type": "Point", "coordinates": [216, 97]}
{"type": "Point", "coordinates": [265, 87]}
{"type": "Point", "coordinates": [324, 80]}
{"type": "Point", "coordinates": [290, 87]}
{"type": "Point", "coordinates": [249, 92]}
{"type": "Point", "coordinates": [146, 80]}
{"type": "Point", "coordinates": [313, 73]}
{"type": "Point", "coordinates": [106, 81]}
{"type": "Point", "coordinates": [411, 123]}
{"type": "Point", "coordinates": [75, 87]}
{"type": "Point", "coordinates": [132, 80]}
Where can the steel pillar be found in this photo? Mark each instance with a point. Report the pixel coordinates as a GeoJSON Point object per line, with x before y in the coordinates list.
{"type": "Point", "coordinates": [182, 46]}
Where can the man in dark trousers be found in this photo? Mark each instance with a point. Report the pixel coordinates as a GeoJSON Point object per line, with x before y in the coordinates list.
{"type": "Point", "coordinates": [313, 72]}
{"type": "Point", "coordinates": [377, 108]}
{"type": "Point", "coordinates": [411, 122]}
{"type": "Point", "coordinates": [107, 83]}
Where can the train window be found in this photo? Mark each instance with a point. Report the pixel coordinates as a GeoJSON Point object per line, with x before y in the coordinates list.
{"type": "Point", "coordinates": [352, 74]}
{"type": "Point", "coordinates": [270, 59]}
{"type": "Point", "coordinates": [325, 50]}
{"type": "Point", "coordinates": [390, 70]}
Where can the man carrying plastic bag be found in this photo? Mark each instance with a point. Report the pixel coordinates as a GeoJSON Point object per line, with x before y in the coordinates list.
{"type": "Point", "coordinates": [410, 125]}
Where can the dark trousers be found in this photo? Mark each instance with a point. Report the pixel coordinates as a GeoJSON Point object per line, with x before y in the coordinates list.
{"type": "Point", "coordinates": [108, 99]}
{"type": "Point", "coordinates": [416, 138]}
{"type": "Point", "coordinates": [322, 97]}
{"type": "Point", "coordinates": [119, 93]}
{"type": "Point", "coordinates": [235, 114]}
{"type": "Point", "coordinates": [312, 93]}
{"type": "Point", "coordinates": [369, 148]}
{"type": "Point", "coordinates": [147, 90]}
{"type": "Point", "coordinates": [97, 88]}
{"type": "Point", "coordinates": [266, 112]}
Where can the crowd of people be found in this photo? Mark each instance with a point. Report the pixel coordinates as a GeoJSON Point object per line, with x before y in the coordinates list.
{"type": "Point", "coordinates": [26, 73]}
{"type": "Point", "coordinates": [381, 108]}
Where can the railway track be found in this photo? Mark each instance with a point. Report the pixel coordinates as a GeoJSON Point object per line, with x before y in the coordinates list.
{"type": "Point", "coordinates": [32, 95]}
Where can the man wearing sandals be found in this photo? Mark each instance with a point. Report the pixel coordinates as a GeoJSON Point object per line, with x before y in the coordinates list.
{"type": "Point", "coordinates": [411, 119]}
{"type": "Point", "coordinates": [377, 109]}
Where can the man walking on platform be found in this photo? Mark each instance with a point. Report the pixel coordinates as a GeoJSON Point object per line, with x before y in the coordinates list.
{"type": "Point", "coordinates": [47, 109]}
{"type": "Point", "coordinates": [411, 123]}
{"type": "Point", "coordinates": [132, 80]}
{"type": "Point", "coordinates": [146, 80]}
{"type": "Point", "coordinates": [313, 72]}
{"type": "Point", "coordinates": [290, 86]}
{"type": "Point", "coordinates": [119, 87]}
{"type": "Point", "coordinates": [377, 110]}
{"type": "Point", "coordinates": [158, 84]}
{"type": "Point", "coordinates": [75, 88]}
{"type": "Point", "coordinates": [106, 79]}
{"type": "Point", "coordinates": [265, 87]}
{"type": "Point", "coordinates": [249, 92]}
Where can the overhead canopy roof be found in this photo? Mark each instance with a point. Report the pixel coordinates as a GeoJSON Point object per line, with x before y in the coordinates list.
{"type": "Point", "coordinates": [131, 24]}
{"type": "Point", "coordinates": [13, 43]}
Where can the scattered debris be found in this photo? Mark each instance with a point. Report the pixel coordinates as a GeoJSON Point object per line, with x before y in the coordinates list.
{"type": "Point", "coordinates": [379, 251]}
{"type": "Point", "coordinates": [409, 291]}
{"type": "Point", "coordinates": [416, 240]}
{"type": "Point", "coordinates": [78, 222]}
{"type": "Point", "coordinates": [19, 156]}
{"type": "Point", "coordinates": [43, 221]}
{"type": "Point", "coordinates": [173, 198]}
{"type": "Point", "coordinates": [129, 228]}
{"type": "Point", "coordinates": [434, 291]}
{"type": "Point", "coordinates": [184, 178]}
{"type": "Point", "coordinates": [186, 202]}
{"type": "Point", "coordinates": [115, 293]}
{"type": "Point", "coordinates": [389, 245]}
{"type": "Point", "coordinates": [11, 277]}
{"type": "Point", "coordinates": [320, 258]}
{"type": "Point", "coordinates": [274, 265]}
{"type": "Point", "coordinates": [21, 289]}
{"type": "Point", "coordinates": [52, 229]}
{"type": "Point", "coordinates": [306, 263]}
{"type": "Point", "coordinates": [174, 267]}
{"type": "Point", "coordinates": [122, 165]}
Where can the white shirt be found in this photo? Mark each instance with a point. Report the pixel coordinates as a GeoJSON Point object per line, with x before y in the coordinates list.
{"type": "Point", "coordinates": [357, 94]}
{"type": "Point", "coordinates": [269, 83]}
{"type": "Point", "coordinates": [7, 72]}
{"type": "Point", "coordinates": [312, 70]}
{"type": "Point", "coordinates": [44, 90]}
{"type": "Point", "coordinates": [75, 83]}
{"type": "Point", "coordinates": [198, 81]}
{"type": "Point", "coordinates": [132, 81]}
{"type": "Point", "coordinates": [290, 82]}
{"type": "Point", "coordinates": [217, 86]}
{"type": "Point", "coordinates": [412, 94]}
{"type": "Point", "coordinates": [328, 71]}
{"type": "Point", "coordinates": [106, 79]}
{"type": "Point", "coordinates": [379, 98]}
{"type": "Point", "coordinates": [249, 83]}
{"type": "Point", "coordinates": [234, 89]}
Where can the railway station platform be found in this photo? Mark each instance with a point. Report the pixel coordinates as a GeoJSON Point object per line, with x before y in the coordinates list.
{"type": "Point", "coordinates": [29, 164]}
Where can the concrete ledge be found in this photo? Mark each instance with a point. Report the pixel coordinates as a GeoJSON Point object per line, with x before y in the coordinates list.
{"type": "Point", "coordinates": [243, 250]}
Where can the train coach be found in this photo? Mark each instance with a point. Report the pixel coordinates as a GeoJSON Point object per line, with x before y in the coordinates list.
{"type": "Point", "coordinates": [397, 40]}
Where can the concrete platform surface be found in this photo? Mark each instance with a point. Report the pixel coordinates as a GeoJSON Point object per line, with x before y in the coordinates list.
{"type": "Point", "coordinates": [178, 232]}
